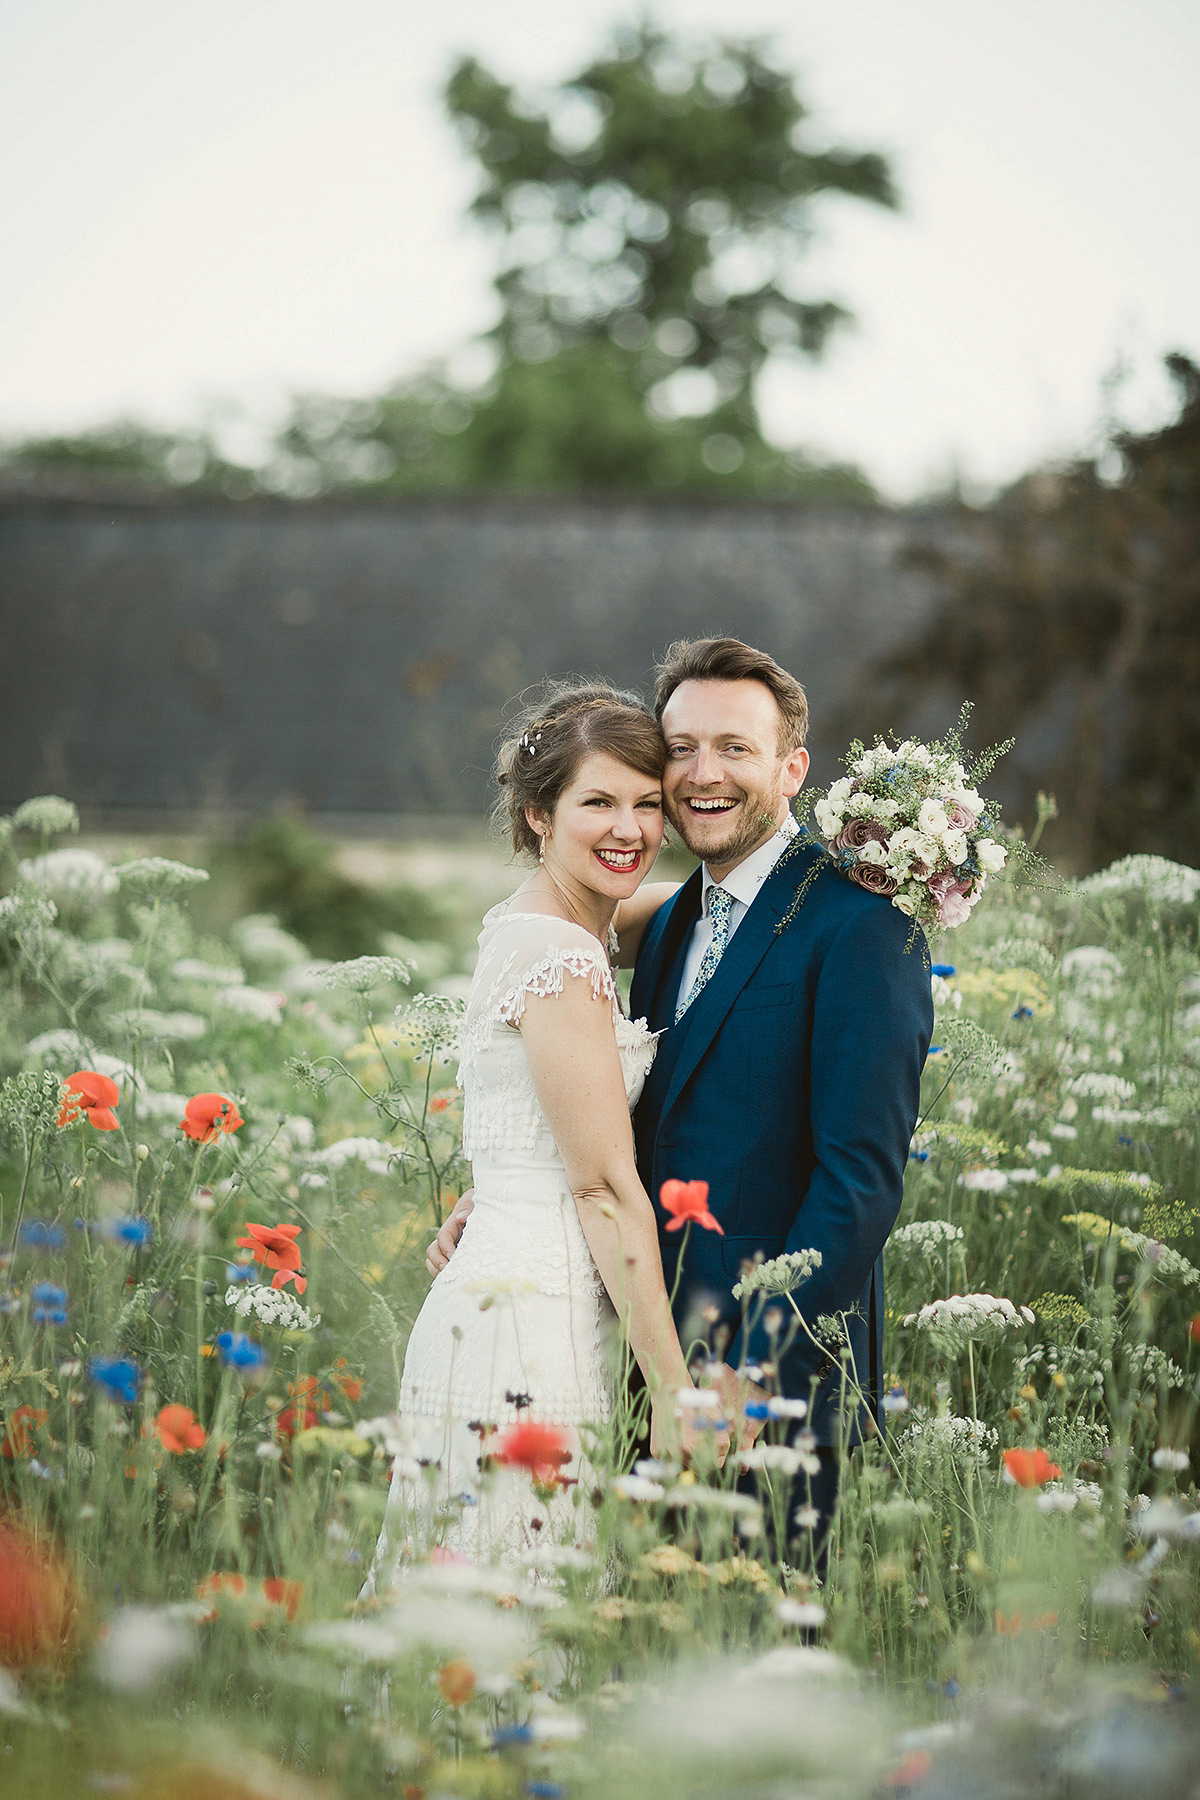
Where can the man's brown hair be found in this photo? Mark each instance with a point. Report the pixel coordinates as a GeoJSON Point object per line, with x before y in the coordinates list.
{"type": "Point", "coordinates": [728, 659]}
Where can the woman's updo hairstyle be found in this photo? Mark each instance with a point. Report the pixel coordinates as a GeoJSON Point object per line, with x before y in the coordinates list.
{"type": "Point", "coordinates": [545, 745]}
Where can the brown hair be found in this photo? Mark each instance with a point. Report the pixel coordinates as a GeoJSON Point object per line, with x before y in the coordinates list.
{"type": "Point", "coordinates": [728, 659]}
{"type": "Point", "coordinates": [546, 743]}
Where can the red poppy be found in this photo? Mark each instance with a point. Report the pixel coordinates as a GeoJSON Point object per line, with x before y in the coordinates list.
{"type": "Point", "coordinates": [1030, 1468]}
{"type": "Point", "coordinates": [178, 1429]}
{"type": "Point", "coordinates": [285, 1594]}
{"type": "Point", "coordinates": [293, 1419]}
{"type": "Point", "coordinates": [19, 1428]}
{"type": "Point", "coordinates": [37, 1601]}
{"type": "Point", "coordinates": [687, 1202]}
{"type": "Point", "coordinates": [1194, 1329]}
{"type": "Point", "coordinates": [92, 1096]}
{"type": "Point", "coordinates": [207, 1115]}
{"type": "Point", "coordinates": [542, 1449]}
{"type": "Point", "coordinates": [275, 1248]}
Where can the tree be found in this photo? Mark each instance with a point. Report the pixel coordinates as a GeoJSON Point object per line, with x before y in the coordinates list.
{"type": "Point", "coordinates": [651, 221]}
{"type": "Point", "coordinates": [1074, 622]}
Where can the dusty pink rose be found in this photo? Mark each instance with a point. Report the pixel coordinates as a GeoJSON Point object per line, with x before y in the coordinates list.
{"type": "Point", "coordinates": [961, 818]}
{"type": "Point", "coordinates": [953, 899]}
{"type": "Point", "coordinates": [859, 832]}
{"type": "Point", "coordinates": [874, 879]}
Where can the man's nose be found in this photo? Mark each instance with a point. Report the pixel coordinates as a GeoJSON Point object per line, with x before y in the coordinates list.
{"type": "Point", "coordinates": [706, 766]}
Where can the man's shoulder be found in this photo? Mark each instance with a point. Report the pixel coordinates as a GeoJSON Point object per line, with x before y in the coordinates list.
{"type": "Point", "coordinates": [826, 907]}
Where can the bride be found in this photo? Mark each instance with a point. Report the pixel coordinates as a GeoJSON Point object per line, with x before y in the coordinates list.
{"type": "Point", "coordinates": [518, 1328]}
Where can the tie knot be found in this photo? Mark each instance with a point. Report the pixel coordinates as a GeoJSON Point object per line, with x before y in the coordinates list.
{"type": "Point", "coordinates": [719, 902]}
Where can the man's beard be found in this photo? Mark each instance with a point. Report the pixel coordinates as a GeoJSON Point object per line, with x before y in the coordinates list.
{"type": "Point", "coordinates": [757, 819]}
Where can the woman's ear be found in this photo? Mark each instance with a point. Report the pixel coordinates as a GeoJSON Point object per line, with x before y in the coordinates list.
{"type": "Point", "coordinates": [536, 820]}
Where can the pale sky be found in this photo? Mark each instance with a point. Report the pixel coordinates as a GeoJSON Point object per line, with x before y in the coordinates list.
{"type": "Point", "coordinates": [214, 204]}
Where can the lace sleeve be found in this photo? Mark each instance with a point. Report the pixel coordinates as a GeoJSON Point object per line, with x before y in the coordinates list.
{"type": "Point", "coordinates": [547, 976]}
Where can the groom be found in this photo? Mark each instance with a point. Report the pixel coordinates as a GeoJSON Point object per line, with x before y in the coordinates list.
{"type": "Point", "coordinates": [798, 1016]}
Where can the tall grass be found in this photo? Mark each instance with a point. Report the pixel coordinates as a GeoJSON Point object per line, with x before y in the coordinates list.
{"type": "Point", "coordinates": [178, 1587]}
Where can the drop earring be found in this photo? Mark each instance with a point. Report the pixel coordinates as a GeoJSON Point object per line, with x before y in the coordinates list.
{"type": "Point", "coordinates": [541, 847]}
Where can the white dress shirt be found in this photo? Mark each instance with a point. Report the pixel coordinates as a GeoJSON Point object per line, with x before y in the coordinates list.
{"type": "Point", "coordinates": [743, 882]}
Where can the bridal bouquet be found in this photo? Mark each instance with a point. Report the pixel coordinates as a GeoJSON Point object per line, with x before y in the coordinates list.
{"type": "Point", "coordinates": [907, 823]}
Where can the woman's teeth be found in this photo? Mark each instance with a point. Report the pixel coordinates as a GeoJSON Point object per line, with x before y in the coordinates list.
{"type": "Point", "coordinates": [619, 859]}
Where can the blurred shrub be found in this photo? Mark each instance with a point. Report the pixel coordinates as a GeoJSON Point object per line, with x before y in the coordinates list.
{"type": "Point", "coordinates": [283, 867]}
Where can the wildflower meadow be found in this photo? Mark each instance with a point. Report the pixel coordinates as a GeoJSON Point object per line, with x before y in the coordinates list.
{"type": "Point", "coordinates": [222, 1159]}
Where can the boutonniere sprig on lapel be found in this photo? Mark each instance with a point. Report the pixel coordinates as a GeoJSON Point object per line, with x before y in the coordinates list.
{"type": "Point", "coordinates": [908, 822]}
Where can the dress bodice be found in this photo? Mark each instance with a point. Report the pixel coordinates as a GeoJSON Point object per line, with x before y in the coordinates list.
{"type": "Point", "coordinates": [524, 954]}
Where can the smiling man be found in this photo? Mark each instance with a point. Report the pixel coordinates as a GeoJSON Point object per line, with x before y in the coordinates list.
{"type": "Point", "coordinates": [797, 1016]}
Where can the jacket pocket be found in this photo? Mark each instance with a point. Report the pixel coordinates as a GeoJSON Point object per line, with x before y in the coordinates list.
{"type": "Point", "coordinates": [753, 998]}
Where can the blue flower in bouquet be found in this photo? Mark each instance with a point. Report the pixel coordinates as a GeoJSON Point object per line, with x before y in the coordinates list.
{"type": "Point", "coordinates": [116, 1377]}
{"type": "Point", "coordinates": [238, 1351]}
{"type": "Point", "coordinates": [49, 1303]}
{"type": "Point", "coordinates": [135, 1233]}
{"type": "Point", "coordinates": [42, 1234]}
{"type": "Point", "coordinates": [236, 1272]}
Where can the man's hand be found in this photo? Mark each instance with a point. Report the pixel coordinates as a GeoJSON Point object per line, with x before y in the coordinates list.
{"type": "Point", "coordinates": [446, 1241]}
{"type": "Point", "coordinates": [737, 1392]}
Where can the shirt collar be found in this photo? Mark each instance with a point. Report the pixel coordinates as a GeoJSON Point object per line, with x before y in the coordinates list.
{"type": "Point", "coordinates": [744, 881]}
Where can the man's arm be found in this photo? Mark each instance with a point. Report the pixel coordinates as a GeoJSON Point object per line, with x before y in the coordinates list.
{"type": "Point", "coordinates": [872, 1022]}
{"type": "Point", "coordinates": [633, 915]}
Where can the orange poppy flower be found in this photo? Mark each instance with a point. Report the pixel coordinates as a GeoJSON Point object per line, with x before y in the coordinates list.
{"type": "Point", "coordinates": [285, 1594]}
{"type": "Point", "coordinates": [1030, 1468]}
{"type": "Point", "coordinates": [92, 1096]}
{"type": "Point", "coordinates": [542, 1449]}
{"type": "Point", "coordinates": [456, 1682]}
{"type": "Point", "coordinates": [37, 1601]}
{"type": "Point", "coordinates": [19, 1428]}
{"type": "Point", "coordinates": [350, 1385]}
{"type": "Point", "coordinates": [275, 1248]}
{"type": "Point", "coordinates": [207, 1115]}
{"type": "Point", "coordinates": [178, 1429]}
{"type": "Point", "coordinates": [687, 1202]}
{"type": "Point", "coordinates": [1194, 1328]}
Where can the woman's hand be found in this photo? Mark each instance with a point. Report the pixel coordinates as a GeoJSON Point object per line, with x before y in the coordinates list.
{"type": "Point", "coordinates": [678, 1432]}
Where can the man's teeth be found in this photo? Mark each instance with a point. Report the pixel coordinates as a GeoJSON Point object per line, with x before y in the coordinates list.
{"type": "Point", "coordinates": [619, 859]}
{"type": "Point", "coordinates": [711, 805]}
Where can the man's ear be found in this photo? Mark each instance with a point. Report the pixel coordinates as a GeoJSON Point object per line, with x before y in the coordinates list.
{"type": "Point", "coordinates": [795, 768]}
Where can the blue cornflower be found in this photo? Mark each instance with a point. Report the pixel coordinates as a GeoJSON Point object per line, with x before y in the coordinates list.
{"type": "Point", "coordinates": [237, 1351]}
{"type": "Point", "coordinates": [47, 1293]}
{"type": "Point", "coordinates": [116, 1377]}
{"type": "Point", "coordinates": [136, 1233]}
{"type": "Point", "coordinates": [1023, 1012]}
{"type": "Point", "coordinates": [511, 1734]}
{"type": "Point", "coordinates": [935, 1049]}
{"type": "Point", "coordinates": [48, 1315]}
{"type": "Point", "coordinates": [918, 1156]}
{"type": "Point", "coordinates": [9, 1303]}
{"type": "Point", "coordinates": [757, 1409]}
{"type": "Point", "coordinates": [240, 1272]}
{"type": "Point", "coordinates": [544, 1790]}
{"type": "Point", "coordinates": [945, 970]}
{"type": "Point", "coordinates": [1126, 1143]}
{"type": "Point", "coordinates": [42, 1234]}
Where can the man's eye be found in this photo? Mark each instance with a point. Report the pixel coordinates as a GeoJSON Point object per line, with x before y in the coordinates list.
{"type": "Point", "coordinates": [678, 750]}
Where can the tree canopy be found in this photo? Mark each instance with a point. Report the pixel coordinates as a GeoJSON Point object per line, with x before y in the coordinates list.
{"type": "Point", "coordinates": [651, 218]}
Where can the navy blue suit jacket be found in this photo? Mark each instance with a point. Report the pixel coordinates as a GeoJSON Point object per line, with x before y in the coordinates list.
{"type": "Point", "coordinates": [791, 1085]}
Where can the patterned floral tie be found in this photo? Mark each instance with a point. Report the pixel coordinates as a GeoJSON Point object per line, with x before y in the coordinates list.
{"type": "Point", "coordinates": [720, 905]}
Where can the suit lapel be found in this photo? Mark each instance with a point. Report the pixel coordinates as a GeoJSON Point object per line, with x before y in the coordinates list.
{"type": "Point", "coordinates": [750, 942]}
{"type": "Point", "coordinates": [660, 967]}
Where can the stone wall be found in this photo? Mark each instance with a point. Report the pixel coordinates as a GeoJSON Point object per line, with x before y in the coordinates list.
{"type": "Point", "coordinates": [170, 658]}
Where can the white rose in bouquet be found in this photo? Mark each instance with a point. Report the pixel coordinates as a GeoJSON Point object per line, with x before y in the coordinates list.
{"type": "Point", "coordinates": [991, 855]}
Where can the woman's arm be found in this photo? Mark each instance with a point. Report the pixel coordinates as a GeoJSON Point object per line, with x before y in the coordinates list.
{"type": "Point", "coordinates": [633, 915]}
{"type": "Point", "coordinates": [578, 1080]}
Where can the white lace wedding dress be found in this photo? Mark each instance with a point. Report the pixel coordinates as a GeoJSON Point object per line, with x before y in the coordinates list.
{"type": "Point", "coordinates": [517, 1326]}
